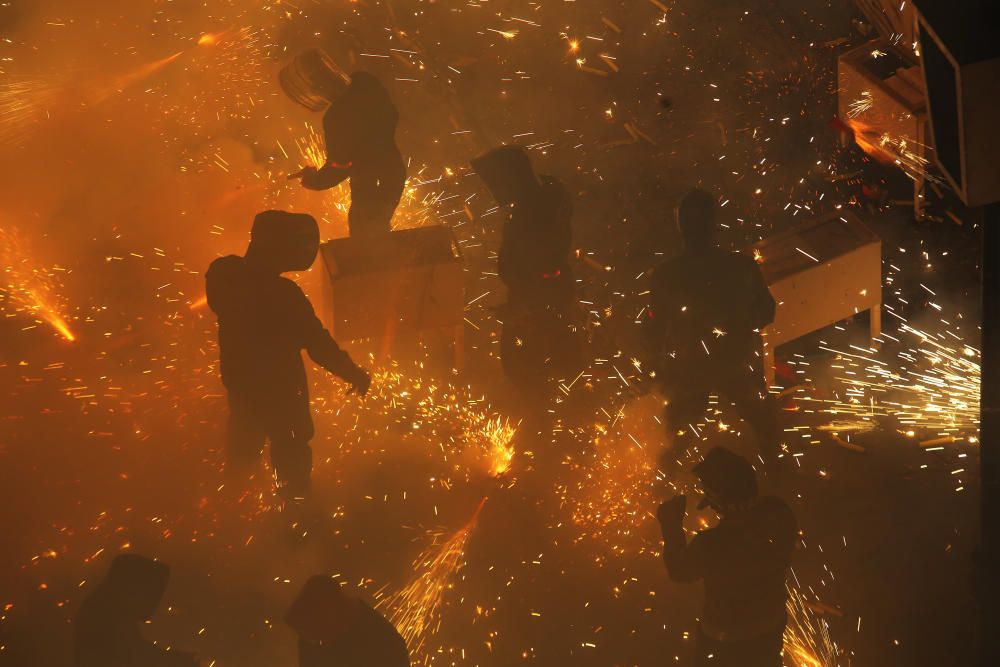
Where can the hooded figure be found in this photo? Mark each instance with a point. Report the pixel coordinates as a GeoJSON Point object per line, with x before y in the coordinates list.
{"type": "Point", "coordinates": [336, 630]}
{"type": "Point", "coordinates": [703, 328]}
{"type": "Point", "coordinates": [359, 127]}
{"type": "Point", "coordinates": [265, 321]}
{"type": "Point", "coordinates": [106, 627]}
{"type": "Point", "coordinates": [742, 563]}
{"type": "Point", "coordinates": [533, 261]}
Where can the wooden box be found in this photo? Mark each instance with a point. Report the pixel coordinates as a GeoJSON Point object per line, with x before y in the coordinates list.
{"type": "Point", "coordinates": [820, 272]}
{"type": "Point", "coordinates": [407, 281]}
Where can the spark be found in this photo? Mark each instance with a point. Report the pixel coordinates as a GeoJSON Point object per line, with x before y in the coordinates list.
{"type": "Point", "coordinates": [935, 389]}
{"type": "Point", "coordinates": [499, 435]}
{"type": "Point", "coordinates": [860, 105]}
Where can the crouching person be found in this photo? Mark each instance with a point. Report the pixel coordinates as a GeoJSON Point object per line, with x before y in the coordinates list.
{"type": "Point", "coordinates": [338, 630]}
{"type": "Point", "coordinates": [106, 627]}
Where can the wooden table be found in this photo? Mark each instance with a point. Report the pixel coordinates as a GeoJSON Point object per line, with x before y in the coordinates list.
{"type": "Point", "coordinates": [820, 272]}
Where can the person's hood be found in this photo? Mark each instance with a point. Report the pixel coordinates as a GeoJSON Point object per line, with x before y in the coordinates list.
{"type": "Point", "coordinates": [322, 612]}
{"type": "Point", "coordinates": [508, 174]}
{"type": "Point", "coordinates": [281, 241]}
{"type": "Point", "coordinates": [134, 586]}
{"type": "Point", "coordinates": [366, 81]}
{"type": "Point", "coordinates": [727, 476]}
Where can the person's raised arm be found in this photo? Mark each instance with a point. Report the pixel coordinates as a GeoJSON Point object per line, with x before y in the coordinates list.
{"type": "Point", "coordinates": [684, 561]}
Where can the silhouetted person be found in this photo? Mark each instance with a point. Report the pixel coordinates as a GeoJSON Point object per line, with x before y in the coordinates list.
{"type": "Point", "coordinates": [106, 627]}
{"type": "Point", "coordinates": [707, 309]}
{"type": "Point", "coordinates": [359, 127]}
{"type": "Point", "coordinates": [265, 321]}
{"type": "Point", "coordinates": [337, 630]}
{"type": "Point", "coordinates": [742, 563]}
{"type": "Point", "coordinates": [533, 261]}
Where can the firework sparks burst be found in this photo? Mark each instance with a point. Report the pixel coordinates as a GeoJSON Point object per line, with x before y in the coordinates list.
{"type": "Point", "coordinates": [27, 288]}
{"type": "Point", "coordinates": [904, 152]}
{"type": "Point", "coordinates": [807, 635]}
{"type": "Point", "coordinates": [499, 436]}
{"type": "Point", "coordinates": [861, 105]}
{"type": "Point", "coordinates": [935, 389]}
{"type": "Point", "coordinates": [415, 609]}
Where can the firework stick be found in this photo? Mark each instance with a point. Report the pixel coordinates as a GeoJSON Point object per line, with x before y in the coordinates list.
{"type": "Point", "coordinates": [848, 445]}
{"type": "Point", "coordinates": [946, 440]}
{"type": "Point", "coordinates": [611, 24]}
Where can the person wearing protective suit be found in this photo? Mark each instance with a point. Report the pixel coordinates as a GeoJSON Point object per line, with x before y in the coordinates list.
{"type": "Point", "coordinates": [533, 263]}
{"type": "Point", "coordinates": [359, 126]}
{"type": "Point", "coordinates": [703, 328]}
{"type": "Point", "coordinates": [337, 630]}
{"type": "Point", "coordinates": [106, 627]}
{"type": "Point", "coordinates": [265, 321]}
{"type": "Point", "coordinates": [742, 563]}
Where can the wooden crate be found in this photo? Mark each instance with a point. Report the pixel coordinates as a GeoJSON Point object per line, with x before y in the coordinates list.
{"type": "Point", "coordinates": [405, 282]}
{"type": "Point", "coordinates": [820, 272]}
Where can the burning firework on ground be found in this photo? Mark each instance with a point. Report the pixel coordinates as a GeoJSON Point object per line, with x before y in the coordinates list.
{"type": "Point", "coordinates": [415, 609]}
{"type": "Point", "coordinates": [28, 289]}
{"type": "Point", "coordinates": [930, 387]}
{"type": "Point", "coordinates": [807, 635]}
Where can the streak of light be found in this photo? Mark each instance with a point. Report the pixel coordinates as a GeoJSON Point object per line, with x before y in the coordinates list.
{"type": "Point", "coordinates": [28, 288]}
{"type": "Point", "coordinates": [415, 609]}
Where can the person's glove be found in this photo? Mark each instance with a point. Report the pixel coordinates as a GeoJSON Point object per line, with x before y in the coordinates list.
{"type": "Point", "coordinates": [360, 382]}
{"type": "Point", "coordinates": [310, 178]}
{"type": "Point", "coordinates": [671, 512]}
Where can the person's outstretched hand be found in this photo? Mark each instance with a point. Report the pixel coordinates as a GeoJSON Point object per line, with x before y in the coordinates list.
{"type": "Point", "coordinates": [360, 382]}
{"type": "Point", "coordinates": [671, 512]}
{"type": "Point", "coordinates": [309, 177]}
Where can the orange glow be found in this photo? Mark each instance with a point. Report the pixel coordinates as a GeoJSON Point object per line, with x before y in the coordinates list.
{"type": "Point", "coordinates": [867, 137]}
{"type": "Point", "coordinates": [47, 313]}
{"type": "Point", "coordinates": [211, 38]}
{"type": "Point", "coordinates": [31, 289]}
